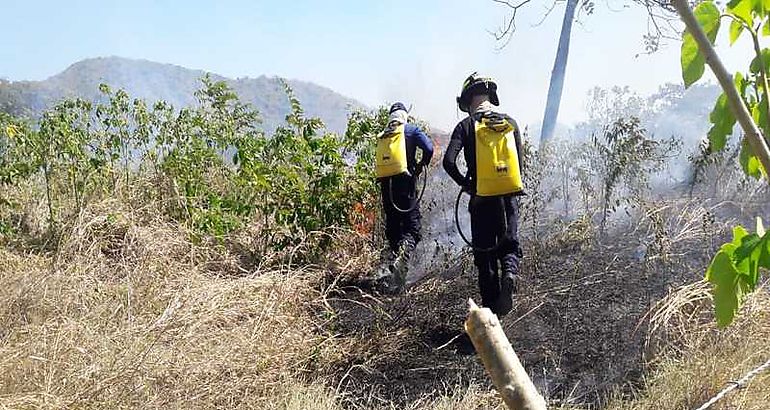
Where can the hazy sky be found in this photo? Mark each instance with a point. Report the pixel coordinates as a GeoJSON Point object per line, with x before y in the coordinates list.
{"type": "Point", "coordinates": [417, 51]}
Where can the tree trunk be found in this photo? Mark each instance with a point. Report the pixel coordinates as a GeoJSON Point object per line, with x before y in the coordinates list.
{"type": "Point", "coordinates": [557, 74]}
{"type": "Point", "coordinates": [741, 112]}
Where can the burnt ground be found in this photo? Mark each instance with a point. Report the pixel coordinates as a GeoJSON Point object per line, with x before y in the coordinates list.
{"type": "Point", "coordinates": [580, 319]}
{"type": "Point", "coordinates": [579, 323]}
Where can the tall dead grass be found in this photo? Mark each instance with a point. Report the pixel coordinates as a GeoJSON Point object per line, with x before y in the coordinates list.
{"type": "Point", "coordinates": [130, 313]}
{"type": "Point", "coordinates": [699, 360]}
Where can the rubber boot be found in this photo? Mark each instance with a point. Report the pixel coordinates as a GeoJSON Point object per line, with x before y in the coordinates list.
{"type": "Point", "coordinates": [489, 282]}
{"type": "Point", "coordinates": [508, 287]}
{"type": "Point", "coordinates": [400, 266]}
{"type": "Point", "coordinates": [509, 281]}
{"type": "Point", "coordinates": [390, 283]}
{"type": "Point", "coordinates": [383, 275]}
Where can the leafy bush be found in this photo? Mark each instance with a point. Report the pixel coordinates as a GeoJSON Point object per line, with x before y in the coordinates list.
{"type": "Point", "coordinates": [625, 159]}
{"type": "Point", "coordinates": [210, 166]}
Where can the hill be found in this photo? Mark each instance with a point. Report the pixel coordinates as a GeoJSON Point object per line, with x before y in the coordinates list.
{"type": "Point", "coordinates": [155, 81]}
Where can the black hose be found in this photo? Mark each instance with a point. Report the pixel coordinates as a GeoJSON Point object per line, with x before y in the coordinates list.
{"type": "Point", "coordinates": [419, 197]}
{"type": "Point", "coordinates": [460, 229]}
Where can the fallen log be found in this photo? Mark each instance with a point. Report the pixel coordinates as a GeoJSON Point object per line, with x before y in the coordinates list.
{"type": "Point", "coordinates": [502, 364]}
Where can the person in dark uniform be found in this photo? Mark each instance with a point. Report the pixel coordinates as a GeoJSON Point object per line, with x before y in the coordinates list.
{"type": "Point", "coordinates": [493, 180]}
{"type": "Point", "coordinates": [397, 171]}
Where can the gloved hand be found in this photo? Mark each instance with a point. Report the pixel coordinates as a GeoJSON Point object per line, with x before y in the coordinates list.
{"type": "Point", "coordinates": [467, 186]}
{"type": "Point", "coordinates": [472, 203]}
{"type": "Point", "coordinates": [418, 170]}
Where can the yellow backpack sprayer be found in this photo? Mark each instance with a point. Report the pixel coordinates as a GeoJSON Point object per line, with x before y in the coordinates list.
{"type": "Point", "coordinates": [391, 160]}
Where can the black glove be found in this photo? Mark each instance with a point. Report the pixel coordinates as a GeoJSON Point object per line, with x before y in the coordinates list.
{"type": "Point", "coordinates": [472, 203]}
{"type": "Point", "coordinates": [467, 186]}
{"type": "Point", "coordinates": [418, 170]}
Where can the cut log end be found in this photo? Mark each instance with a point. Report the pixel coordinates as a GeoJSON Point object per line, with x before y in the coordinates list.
{"type": "Point", "coordinates": [500, 361]}
{"type": "Point", "coordinates": [472, 305]}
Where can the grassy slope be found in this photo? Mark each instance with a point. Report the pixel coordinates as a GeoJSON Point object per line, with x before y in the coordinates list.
{"type": "Point", "coordinates": [131, 314]}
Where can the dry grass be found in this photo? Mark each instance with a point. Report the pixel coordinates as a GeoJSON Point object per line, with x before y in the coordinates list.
{"type": "Point", "coordinates": [701, 360]}
{"type": "Point", "coordinates": [133, 315]}
{"type": "Point", "coordinates": [470, 398]}
{"type": "Point", "coordinates": [130, 313]}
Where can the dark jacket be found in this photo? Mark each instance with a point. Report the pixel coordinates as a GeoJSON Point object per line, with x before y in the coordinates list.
{"type": "Point", "coordinates": [464, 138]}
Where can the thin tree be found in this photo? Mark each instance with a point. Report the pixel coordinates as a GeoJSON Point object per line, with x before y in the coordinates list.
{"type": "Point", "coordinates": [656, 30]}
{"type": "Point", "coordinates": [558, 74]}
{"type": "Point", "coordinates": [559, 65]}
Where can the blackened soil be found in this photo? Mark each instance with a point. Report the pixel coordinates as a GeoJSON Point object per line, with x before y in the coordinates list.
{"type": "Point", "coordinates": [579, 325]}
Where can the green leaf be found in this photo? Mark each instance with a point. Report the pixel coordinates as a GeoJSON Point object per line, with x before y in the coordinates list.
{"type": "Point", "coordinates": [759, 113]}
{"type": "Point", "coordinates": [747, 259]}
{"type": "Point", "coordinates": [736, 28]}
{"type": "Point", "coordinates": [744, 250]}
{"type": "Point", "coordinates": [723, 122]}
{"type": "Point", "coordinates": [740, 82]}
{"type": "Point", "coordinates": [764, 256]}
{"type": "Point", "coordinates": [749, 162]}
{"type": "Point", "coordinates": [760, 7]}
{"type": "Point", "coordinates": [717, 139]}
{"type": "Point", "coordinates": [753, 278]}
{"type": "Point", "coordinates": [756, 63]}
{"type": "Point", "coordinates": [727, 293]}
{"type": "Point", "coordinates": [734, 270]}
{"type": "Point", "coordinates": [766, 28]}
{"type": "Point", "coordinates": [692, 61]}
{"type": "Point", "coordinates": [742, 10]}
{"type": "Point", "coordinates": [708, 15]}
{"type": "Point", "coordinates": [739, 233]}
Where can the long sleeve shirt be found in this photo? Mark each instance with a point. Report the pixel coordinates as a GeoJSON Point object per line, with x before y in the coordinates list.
{"type": "Point", "coordinates": [415, 138]}
{"type": "Point", "coordinates": [464, 139]}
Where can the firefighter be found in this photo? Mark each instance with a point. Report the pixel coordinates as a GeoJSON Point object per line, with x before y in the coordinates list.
{"type": "Point", "coordinates": [397, 172]}
{"type": "Point", "coordinates": [491, 144]}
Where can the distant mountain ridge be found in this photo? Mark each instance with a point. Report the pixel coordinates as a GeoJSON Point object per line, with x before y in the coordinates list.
{"type": "Point", "coordinates": [154, 81]}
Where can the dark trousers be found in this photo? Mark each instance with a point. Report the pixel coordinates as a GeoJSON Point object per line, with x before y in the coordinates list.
{"type": "Point", "coordinates": [494, 226]}
{"type": "Point", "coordinates": [400, 228]}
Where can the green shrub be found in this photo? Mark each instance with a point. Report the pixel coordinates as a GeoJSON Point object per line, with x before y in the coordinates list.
{"type": "Point", "coordinates": [211, 167]}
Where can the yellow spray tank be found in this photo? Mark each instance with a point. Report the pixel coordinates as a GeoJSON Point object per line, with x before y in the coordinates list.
{"type": "Point", "coordinates": [391, 153]}
{"type": "Point", "coordinates": [498, 171]}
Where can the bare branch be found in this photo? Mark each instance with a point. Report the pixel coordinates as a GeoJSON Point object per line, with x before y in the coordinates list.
{"type": "Point", "coordinates": [507, 29]}
{"type": "Point", "coordinates": [610, 7]}
{"type": "Point", "coordinates": [663, 22]}
{"type": "Point", "coordinates": [547, 13]}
